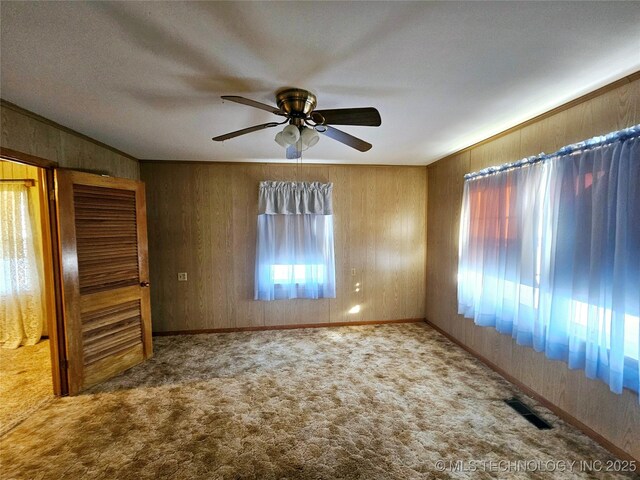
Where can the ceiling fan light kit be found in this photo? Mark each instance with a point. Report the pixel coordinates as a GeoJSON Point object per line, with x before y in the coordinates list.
{"type": "Point", "coordinates": [309, 137]}
{"type": "Point", "coordinates": [280, 141]}
{"type": "Point", "coordinates": [304, 122]}
{"type": "Point", "coordinates": [302, 139]}
{"type": "Point", "coordinates": [290, 134]}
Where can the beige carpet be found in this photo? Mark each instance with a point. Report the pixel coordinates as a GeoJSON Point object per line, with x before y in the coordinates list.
{"type": "Point", "coordinates": [25, 382]}
{"type": "Point", "coordinates": [382, 402]}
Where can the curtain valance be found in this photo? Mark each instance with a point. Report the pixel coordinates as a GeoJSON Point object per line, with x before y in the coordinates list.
{"type": "Point", "coordinates": [294, 198]}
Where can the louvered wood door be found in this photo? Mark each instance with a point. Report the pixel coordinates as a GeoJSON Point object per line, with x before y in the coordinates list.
{"type": "Point", "coordinates": [105, 275]}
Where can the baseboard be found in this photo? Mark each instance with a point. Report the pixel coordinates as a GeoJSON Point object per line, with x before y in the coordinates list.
{"type": "Point", "coordinates": [286, 327]}
{"type": "Point", "coordinates": [563, 414]}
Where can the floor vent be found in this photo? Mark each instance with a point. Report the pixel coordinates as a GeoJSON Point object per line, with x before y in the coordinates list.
{"type": "Point", "coordinates": [527, 413]}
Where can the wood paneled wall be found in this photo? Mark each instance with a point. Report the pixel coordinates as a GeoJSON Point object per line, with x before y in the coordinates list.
{"type": "Point", "coordinates": [31, 134]}
{"type": "Point", "coordinates": [614, 417]}
{"type": "Point", "coordinates": [202, 220]}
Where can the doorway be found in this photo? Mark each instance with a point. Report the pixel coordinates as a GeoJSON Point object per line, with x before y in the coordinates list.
{"type": "Point", "coordinates": [28, 361]}
{"type": "Point", "coordinates": [95, 305]}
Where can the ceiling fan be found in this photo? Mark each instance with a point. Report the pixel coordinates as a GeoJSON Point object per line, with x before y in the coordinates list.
{"type": "Point", "coordinates": [298, 108]}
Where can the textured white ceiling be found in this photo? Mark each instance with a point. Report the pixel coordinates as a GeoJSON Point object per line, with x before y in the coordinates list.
{"type": "Point", "coordinates": [146, 77]}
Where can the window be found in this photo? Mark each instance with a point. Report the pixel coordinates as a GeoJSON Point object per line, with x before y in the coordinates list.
{"type": "Point", "coordinates": [295, 256]}
{"type": "Point", "coordinates": [20, 292]}
{"type": "Point", "coordinates": [17, 247]}
{"type": "Point", "coordinates": [493, 224]}
{"type": "Point", "coordinates": [297, 274]}
{"type": "Point", "coordinates": [549, 254]}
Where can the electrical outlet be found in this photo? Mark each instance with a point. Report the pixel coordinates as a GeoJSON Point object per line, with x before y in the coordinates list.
{"type": "Point", "coordinates": [182, 276]}
{"type": "Point", "coordinates": [353, 272]}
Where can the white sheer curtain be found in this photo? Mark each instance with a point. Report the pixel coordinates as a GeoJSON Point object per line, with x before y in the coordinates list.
{"type": "Point", "coordinates": [500, 230]}
{"type": "Point", "coordinates": [590, 292]}
{"type": "Point", "coordinates": [550, 254]}
{"type": "Point", "coordinates": [21, 308]}
{"type": "Point", "coordinates": [295, 257]}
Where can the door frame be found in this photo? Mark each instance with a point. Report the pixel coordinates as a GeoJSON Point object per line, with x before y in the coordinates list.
{"type": "Point", "coordinates": [57, 334]}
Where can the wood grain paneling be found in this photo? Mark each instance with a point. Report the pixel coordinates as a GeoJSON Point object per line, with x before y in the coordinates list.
{"type": "Point", "coordinates": [28, 133]}
{"type": "Point", "coordinates": [614, 417]}
{"type": "Point", "coordinates": [202, 220]}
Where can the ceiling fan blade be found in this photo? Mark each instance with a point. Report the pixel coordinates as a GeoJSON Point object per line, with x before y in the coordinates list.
{"type": "Point", "coordinates": [252, 103]}
{"type": "Point", "coordinates": [347, 139]}
{"type": "Point", "coordinates": [293, 152]}
{"type": "Point", "coordinates": [244, 131]}
{"type": "Point", "coordinates": [367, 117]}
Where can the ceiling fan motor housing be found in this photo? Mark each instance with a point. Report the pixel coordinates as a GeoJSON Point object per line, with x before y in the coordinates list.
{"type": "Point", "coordinates": [296, 102]}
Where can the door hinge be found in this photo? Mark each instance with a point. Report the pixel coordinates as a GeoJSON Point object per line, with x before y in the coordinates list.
{"type": "Point", "coordinates": [64, 364]}
{"type": "Point", "coordinates": [52, 195]}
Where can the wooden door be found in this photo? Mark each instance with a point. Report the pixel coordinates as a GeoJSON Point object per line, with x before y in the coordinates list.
{"type": "Point", "coordinates": [102, 225]}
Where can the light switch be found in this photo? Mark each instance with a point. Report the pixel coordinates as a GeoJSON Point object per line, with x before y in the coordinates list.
{"type": "Point", "coordinates": [182, 276]}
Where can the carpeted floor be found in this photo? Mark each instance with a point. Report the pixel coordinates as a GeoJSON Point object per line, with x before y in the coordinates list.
{"type": "Point", "coordinates": [25, 382]}
{"type": "Point", "coordinates": [383, 402]}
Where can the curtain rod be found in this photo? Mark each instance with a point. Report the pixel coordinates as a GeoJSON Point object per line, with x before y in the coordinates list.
{"type": "Point", "coordinates": [29, 182]}
{"type": "Point", "coordinates": [594, 142]}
